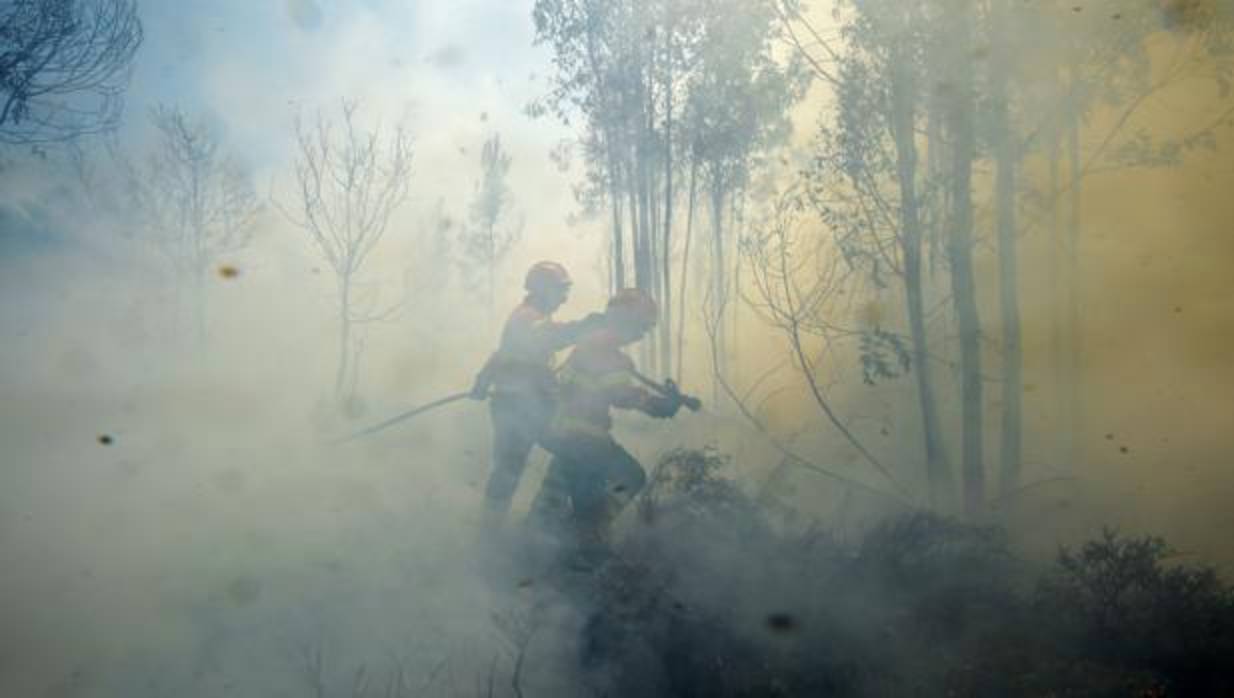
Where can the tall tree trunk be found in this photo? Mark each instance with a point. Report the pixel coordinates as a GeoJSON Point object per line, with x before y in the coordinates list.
{"type": "Point", "coordinates": [492, 276]}
{"type": "Point", "coordinates": [1075, 398]}
{"type": "Point", "coordinates": [642, 254]}
{"type": "Point", "coordinates": [960, 252]}
{"type": "Point", "coordinates": [198, 254]}
{"type": "Point", "coordinates": [1058, 297]}
{"type": "Point", "coordinates": [1008, 265]}
{"type": "Point", "coordinates": [642, 258]}
{"type": "Point", "coordinates": [653, 245]}
{"type": "Point", "coordinates": [650, 183]}
{"type": "Point", "coordinates": [344, 347]}
{"type": "Point", "coordinates": [717, 281]}
{"type": "Point", "coordinates": [737, 202]}
{"type": "Point", "coordinates": [685, 266]}
{"type": "Point", "coordinates": [635, 222]}
{"type": "Point", "coordinates": [903, 94]}
{"type": "Point", "coordinates": [199, 304]}
{"type": "Point", "coordinates": [619, 260]}
{"type": "Point", "coordinates": [936, 165]}
{"type": "Point", "coordinates": [666, 248]}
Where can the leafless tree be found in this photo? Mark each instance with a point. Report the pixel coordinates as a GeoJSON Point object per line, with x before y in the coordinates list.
{"type": "Point", "coordinates": [196, 202]}
{"type": "Point", "coordinates": [64, 65]}
{"type": "Point", "coordinates": [350, 182]}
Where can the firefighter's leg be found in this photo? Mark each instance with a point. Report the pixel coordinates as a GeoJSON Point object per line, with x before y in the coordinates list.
{"type": "Point", "coordinates": [550, 510]}
{"type": "Point", "coordinates": [587, 492]}
{"type": "Point", "coordinates": [624, 478]}
{"type": "Point", "coordinates": [601, 489]}
{"type": "Point", "coordinates": [589, 522]}
{"type": "Point", "coordinates": [513, 437]}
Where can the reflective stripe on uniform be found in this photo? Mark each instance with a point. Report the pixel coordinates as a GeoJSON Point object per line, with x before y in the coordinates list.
{"type": "Point", "coordinates": [586, 396]}
{"type": "Point", "coordinates": [570, 378]}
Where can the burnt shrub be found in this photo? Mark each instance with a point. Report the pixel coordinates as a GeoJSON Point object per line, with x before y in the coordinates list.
{"type": "Point", "coordinates": [1115, 600]}
{"type": "Point", "coordinates": [708, 596]}
{"type": "Point", "coordinates": [749, 609]}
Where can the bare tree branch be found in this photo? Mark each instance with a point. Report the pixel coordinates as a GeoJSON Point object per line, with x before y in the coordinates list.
{"type": "Point", "coordinates": [349, 185]}
{"type": "Point", "coordinates": [64, 66]}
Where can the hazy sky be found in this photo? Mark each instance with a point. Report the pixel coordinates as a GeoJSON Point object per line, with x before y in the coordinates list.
{"type": "Point", "coordinates": [458, 71]}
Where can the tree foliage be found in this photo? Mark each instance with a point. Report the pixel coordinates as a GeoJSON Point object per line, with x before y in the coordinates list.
{"type": "Point", "coordinates": [64, 65]}
{"type": "Point", "coordinates": [929, 97]}
{"type": "Point", "coordinates": [491, 233]}
{"type": "Point", "coordinates": [667, 91]}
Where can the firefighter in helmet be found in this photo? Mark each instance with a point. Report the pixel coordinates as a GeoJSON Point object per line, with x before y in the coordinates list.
{"type": "Point", "coordinates": [519, 379]}
{"type": "Point", "coordinates": [591, 478]}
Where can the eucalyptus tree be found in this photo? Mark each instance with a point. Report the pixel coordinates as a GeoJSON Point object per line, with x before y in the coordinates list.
{"type": "Point", "coordinates": [491, 233]}
{"type": "Point", "coordinates": [1098, 70]}
{"type": "Point", "coordinates": [665, 88]}
{"type": "Point", "coordinates": [952, 77]}
{"type": "Point", "coordinates": [738, 110]}
{"type": "Point", "coordinates": [959, 125]}
{"type": "Point", "coordinates": [872, 188]}
{"type": "Point", "coordinates": [906, 80]}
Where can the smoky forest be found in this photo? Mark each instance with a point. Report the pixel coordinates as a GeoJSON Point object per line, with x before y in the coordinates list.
{"type": "Point", "coordinates": [616, 348]}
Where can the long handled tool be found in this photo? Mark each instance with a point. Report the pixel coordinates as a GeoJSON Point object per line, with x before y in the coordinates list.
{"type": "Point", "coordinates": [404, 416]}
{"type": "Point", "coordinates": [668, 389]}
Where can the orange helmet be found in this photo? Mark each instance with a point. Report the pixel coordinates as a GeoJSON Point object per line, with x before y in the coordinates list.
{"type": "Point", "coordinates": [546, 276]}
{"type": "Point", "coordinates": [633, 305]}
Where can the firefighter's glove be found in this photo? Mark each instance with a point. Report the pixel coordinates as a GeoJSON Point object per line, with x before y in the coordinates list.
{"type": "Point", "coordinates": [688, 401]}
{"type": "Point", "coordinates": [663, 406]}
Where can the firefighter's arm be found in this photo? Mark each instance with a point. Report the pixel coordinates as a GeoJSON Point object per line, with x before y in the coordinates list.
{"type": "Point", "coordinates": [559, 335]}
{"type": "Point", "coordinates": [632, 397]}
{"type": "Point", "coordinates": [483, 380]}
{"type": "Point", "coordinates": [660, 406]}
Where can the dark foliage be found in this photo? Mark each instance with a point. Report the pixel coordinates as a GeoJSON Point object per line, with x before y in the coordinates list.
{"type": "Point", "coordinates": [884, 356]}
{"type": "Point", "coordinates": [1117, 602]}
{"type": "Point", "coordinates": [708, 597]}
{"type": "Point", "coordinates": [64, 65]}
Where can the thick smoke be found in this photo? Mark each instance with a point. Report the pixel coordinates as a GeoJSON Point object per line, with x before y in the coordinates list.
{"type": "Point", "coordinates": [177, 516]}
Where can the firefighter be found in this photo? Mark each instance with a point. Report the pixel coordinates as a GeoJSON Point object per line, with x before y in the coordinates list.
{"type": "Point", "coordinates": [519, 379]}
{"type": "Point", "coordinates": [591, 478]}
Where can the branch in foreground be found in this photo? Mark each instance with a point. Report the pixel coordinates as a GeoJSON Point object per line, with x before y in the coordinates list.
{"type": "Point", "coordinates": [788, 453]}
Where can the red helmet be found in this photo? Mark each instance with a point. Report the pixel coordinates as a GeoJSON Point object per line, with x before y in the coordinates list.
{"type": "Point", "coordinates": [546, 276]}
{"type": "Point", "coordinates": [633, 305]}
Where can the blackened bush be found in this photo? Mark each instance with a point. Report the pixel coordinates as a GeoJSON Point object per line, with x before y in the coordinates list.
{"type": "Point", "coordinates": [906, 549]}
{"type": "Point", "coordinates": [951, 578]}
{"type": "Point", "coordinates": [708, 598]}
{"type": "Point", "coordinates": [1117, 601]}
{"type": "Point", "coordinates": [688, 483]}
{"type": "Point", "coordinates": [758, 611]}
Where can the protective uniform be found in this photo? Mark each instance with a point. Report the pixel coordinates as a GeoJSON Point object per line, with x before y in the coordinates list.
{"type": "Point", "coordinates": [521, 378]}
{"type": "Point", "coordinates": [591, 478]}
